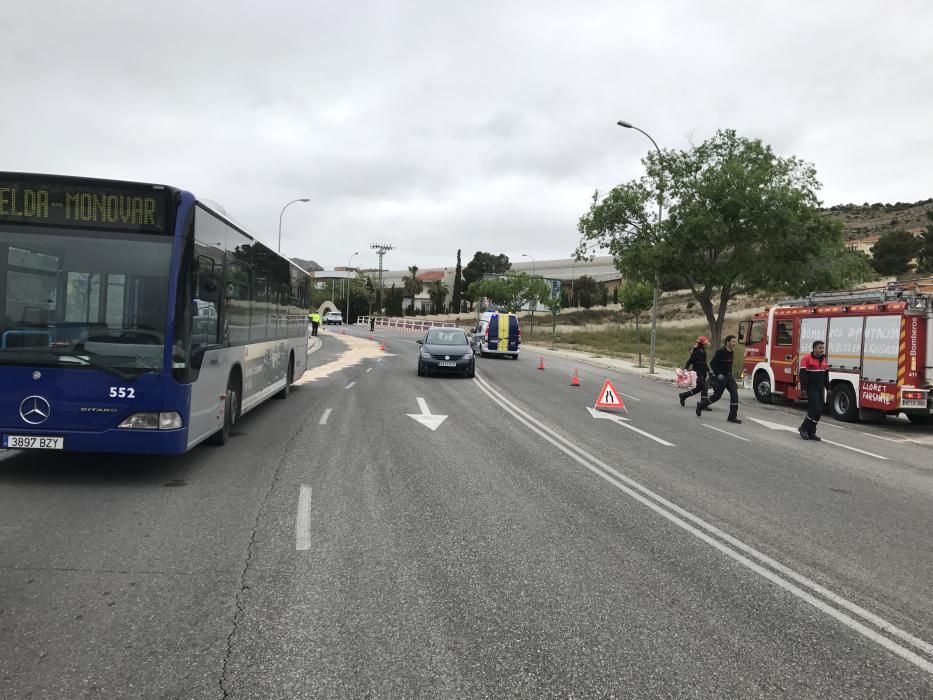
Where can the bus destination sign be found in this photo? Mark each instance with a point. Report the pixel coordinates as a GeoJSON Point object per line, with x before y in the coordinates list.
{"type": "Point", "coordinates": [88, 206]}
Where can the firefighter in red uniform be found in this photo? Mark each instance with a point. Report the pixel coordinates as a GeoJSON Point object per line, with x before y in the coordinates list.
{"type": "Point", "coordinates": [814, 379]}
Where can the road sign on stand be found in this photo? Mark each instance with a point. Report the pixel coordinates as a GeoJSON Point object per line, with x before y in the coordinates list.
{"type": "Point", "coordinates": [609, 398]}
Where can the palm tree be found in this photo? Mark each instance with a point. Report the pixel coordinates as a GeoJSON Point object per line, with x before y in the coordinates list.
{"type": "Point", "coordinates": [438, 292]}
{"type": "Point", "coordinates": [412, 285]}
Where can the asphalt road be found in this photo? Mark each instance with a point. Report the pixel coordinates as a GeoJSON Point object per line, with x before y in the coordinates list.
{"type": "Point", "coordinates": [337, 547]}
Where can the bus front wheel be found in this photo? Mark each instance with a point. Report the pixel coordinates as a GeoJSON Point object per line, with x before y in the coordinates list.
{"type": "Point", "coordinates": [231, 412]}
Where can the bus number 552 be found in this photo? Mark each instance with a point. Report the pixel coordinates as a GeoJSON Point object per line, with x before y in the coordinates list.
{"type": "Point", "coordinates": [120, 392]}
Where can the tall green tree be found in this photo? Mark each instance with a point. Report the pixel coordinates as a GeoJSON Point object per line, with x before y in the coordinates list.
{"type": "Point", "coordinates": [437, 290]}
{"type": "Point", "coordinates": [636, 298]}
{"type": "Point", "coordinates": [512, 291]}
{"type": "Point", "coordinates": [412, 285]}
{"type": "Point", "coordinates": [481, 264]}
{"type": "Point", "coordinates": [394, 300]}
{"type": "Point", "coordinates": [739, 219]}
{"type": "Point", "coordinates": [456, 296]}
{"type": "Point", "coordinates": [894, 253]}
{"type": "Point", "coordinates": [585, 289]}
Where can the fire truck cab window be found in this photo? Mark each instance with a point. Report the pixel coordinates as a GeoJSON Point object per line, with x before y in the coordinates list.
{"type": "Point", "coordinates": [785, 332]}
{"type": "Point", "coordinates": [756, 333]}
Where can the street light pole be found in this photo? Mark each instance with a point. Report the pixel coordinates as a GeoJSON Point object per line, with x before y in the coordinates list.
{"type": "Point", "coordinates": [654, 304]}
{"type": "Point", "coordinates": [531, 335]}
{"type": "Point", "coordinates": [302, 199]}
{"type": "Point", "coordinates": [348, 285]}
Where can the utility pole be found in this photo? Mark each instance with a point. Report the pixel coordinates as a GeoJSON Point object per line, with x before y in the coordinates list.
{"type": "Point", "coordinates": [381, 249]}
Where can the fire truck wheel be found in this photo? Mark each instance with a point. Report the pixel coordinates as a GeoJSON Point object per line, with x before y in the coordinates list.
{"type": "Point", "coordinates": [842, 400]}
{"type": "Point", "coordinates": [762, 387]}
{"type": "Point", "coordinates": [920, 418]}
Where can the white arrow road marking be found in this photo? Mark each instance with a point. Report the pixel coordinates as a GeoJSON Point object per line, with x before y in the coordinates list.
{"type": "Point", "coordinates": [624, 422]}
{"type": "Point", "coordinates": [780, 426]}
{"type": "Point", "coordinates": [303, 523]}
{"type": "Point", "coordinates": [725, 432]}
{"type": "Point", "coordinates": [426, 418]}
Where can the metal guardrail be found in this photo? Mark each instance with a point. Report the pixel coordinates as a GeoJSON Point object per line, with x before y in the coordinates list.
{"type": "Point", "coordinates": [405, 324]}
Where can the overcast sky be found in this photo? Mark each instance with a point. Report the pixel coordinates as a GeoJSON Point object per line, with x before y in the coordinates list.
{"type": "Point", "coordinates": [437, 125]}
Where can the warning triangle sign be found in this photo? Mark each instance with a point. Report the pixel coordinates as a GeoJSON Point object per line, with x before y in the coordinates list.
{"type": "Point", "coordinates": [609, 397]}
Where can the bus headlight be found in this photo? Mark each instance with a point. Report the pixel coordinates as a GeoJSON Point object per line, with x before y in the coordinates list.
{"type": "Point", "coordinates": [166, 420]}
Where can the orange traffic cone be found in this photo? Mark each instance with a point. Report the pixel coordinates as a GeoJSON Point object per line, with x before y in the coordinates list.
{"type": "Point", "coordinates": [370, 336]}
{"type": "Point", "coordinates": [382, 345]}
{"type": "Point", "coordinates": [575, 379]}
{"type": "Point", "coordinates": [540, 363]}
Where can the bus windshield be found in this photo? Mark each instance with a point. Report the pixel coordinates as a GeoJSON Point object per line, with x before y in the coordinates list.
{"type": "Point", "coordinates": [83, 298]}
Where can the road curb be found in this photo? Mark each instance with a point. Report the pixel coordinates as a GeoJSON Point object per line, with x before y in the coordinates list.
{"type": "Point", "coordinates": [596, 361]}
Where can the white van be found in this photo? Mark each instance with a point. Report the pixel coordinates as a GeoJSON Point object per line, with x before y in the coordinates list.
{"type": "Point", "coordinates": [498, 333]}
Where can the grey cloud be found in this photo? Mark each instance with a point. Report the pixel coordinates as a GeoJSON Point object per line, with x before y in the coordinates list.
{"type": "Point", "coordinates": [483, 126]}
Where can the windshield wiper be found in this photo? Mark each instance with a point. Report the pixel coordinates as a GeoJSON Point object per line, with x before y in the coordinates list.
{"type": "Point", "coordinates": [70, 355]}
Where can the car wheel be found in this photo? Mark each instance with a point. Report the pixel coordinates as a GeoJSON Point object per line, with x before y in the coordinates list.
{"type": "Point", "coordinates": [420, 370]}
{"type": "Point", "coordinates": [470, 373]}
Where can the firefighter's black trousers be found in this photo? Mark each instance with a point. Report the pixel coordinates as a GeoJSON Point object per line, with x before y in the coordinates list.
{"type": "Point", "coordinates": [700, 389]}
{"type": "Point", "coordinates": [815, 403]}
{"type": "Point", "coordinates": [720, 387]}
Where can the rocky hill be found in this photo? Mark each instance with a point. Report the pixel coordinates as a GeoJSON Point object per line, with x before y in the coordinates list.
{"type": "Point", "coordinates": [308, 265]}
{"type": "Point", "coordinates": [879, 218]}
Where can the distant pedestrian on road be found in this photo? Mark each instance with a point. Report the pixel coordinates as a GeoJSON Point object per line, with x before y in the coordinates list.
{"type": "Point", "coordinates": [372, 324]}
{"type": "Point", "coordinates": [814, 379]}
{"type": "Point", "coordinates": [722, 370]}
{"type": "Point", "coordinates": [315, 321]}
{"type": "Point", "coordinates": [697, 362]}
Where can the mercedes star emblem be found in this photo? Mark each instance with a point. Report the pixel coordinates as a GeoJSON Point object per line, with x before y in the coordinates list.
{"type": "Point", "coordinates": [446, 357]}
{"type": "Point", "coordinates": [35, 410]}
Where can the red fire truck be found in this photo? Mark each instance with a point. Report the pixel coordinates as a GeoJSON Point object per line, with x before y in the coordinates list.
{"type": "Point", "coordinates": [879, 343]}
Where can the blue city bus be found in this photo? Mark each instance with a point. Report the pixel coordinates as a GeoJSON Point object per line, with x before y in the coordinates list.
{"type": "Point", "coordinates": [137, 318]}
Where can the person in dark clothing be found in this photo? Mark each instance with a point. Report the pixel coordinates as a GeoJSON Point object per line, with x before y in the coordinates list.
{"type": "Point", "coordinates": [722, 370]}
{"type": "Point", "coordinates": [814, 379]}
{"type": "Point", "coordinates": [372, 323]}
{"type": "Point", "coordinates": [697, 362]}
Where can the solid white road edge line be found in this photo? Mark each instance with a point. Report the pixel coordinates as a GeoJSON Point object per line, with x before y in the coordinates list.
{"type": "Point", "coordinates": [632, 488]}
{"type": "Point", "coordinates": [303, 522]}
{"type": "Point", "coordinates": [725, 432]}
{"type": "Point", "coordinates": [326, 415]}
